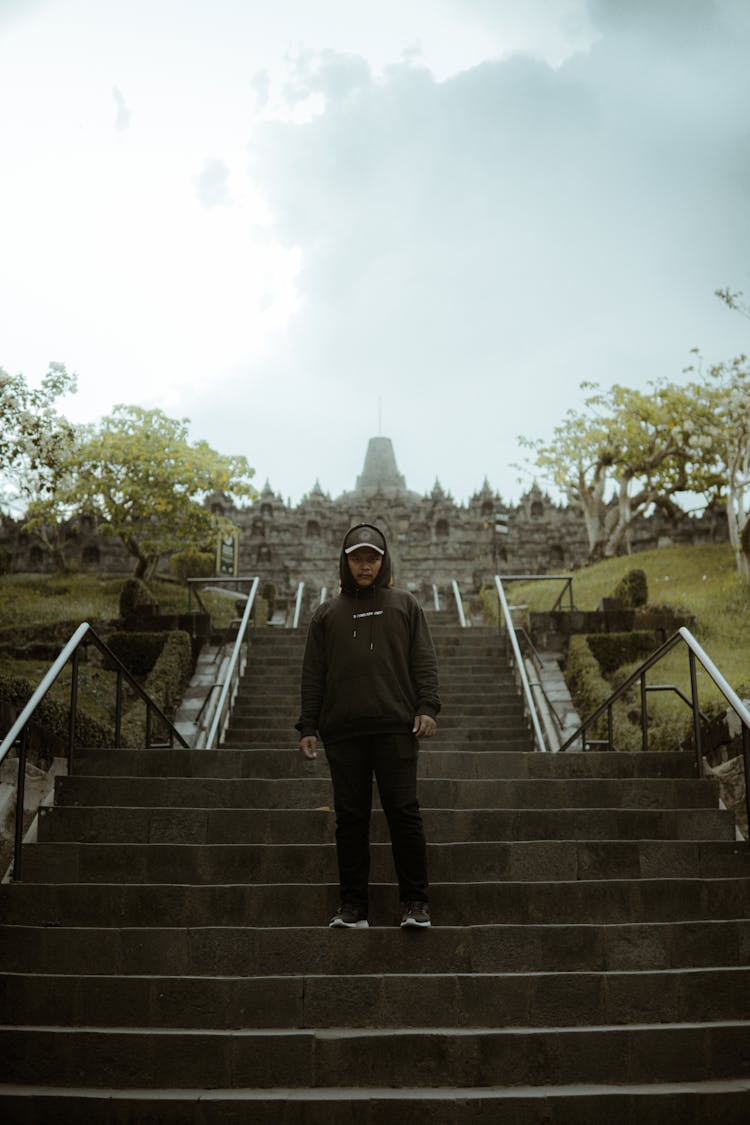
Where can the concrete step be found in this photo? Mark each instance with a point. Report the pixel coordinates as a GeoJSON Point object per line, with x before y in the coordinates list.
{"type": "Point", "coordinates": [397, 999]}
{"type": "Point", "coordinates": [288, 826]}
{"type": "Point", "coordinates": [447, 1057]}
{"type": "Point", "coordinates": [434, 762]}
{"type": "Point", "coordinates": [314, 791]}
{"type": "Point", "coordinates": [692, 901]}
{"type": "Point", "coordinates": [533, 860]}
{"type": "Point", "coordinates": [291, 952]}
{"type": "Point", "coordinates": [698, 1103]}
{"type": "Point", "coordinates": [243, 731]}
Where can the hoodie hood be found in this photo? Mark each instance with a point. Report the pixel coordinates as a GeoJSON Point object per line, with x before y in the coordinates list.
{"type": "Point", "coordinates": [383, 580]}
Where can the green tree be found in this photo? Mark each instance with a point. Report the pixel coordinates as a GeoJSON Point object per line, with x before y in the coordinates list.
{"type": "Point", "coordinates": [36, 444]}
{"type": "Point", "coordinates": [622, 454]}
{"type": "Point", "coordinates": [724, 429]}
{"type": "Point", "coordinates": [34, 438]}
{"type": "Point", "coordinates": [138, 472]}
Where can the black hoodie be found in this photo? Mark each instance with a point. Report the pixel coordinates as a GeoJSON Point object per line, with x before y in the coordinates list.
{"type": "Point", "coordinates": [369, 663]}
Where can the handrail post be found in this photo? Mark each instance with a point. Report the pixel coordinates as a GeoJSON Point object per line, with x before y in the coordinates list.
{"type": "Point", "coordinates": [644, 716]}
{"type": "Point", "coordinates": [520, 666]}
{"type": "Point", "coordinates": [298, 605]}
{"type": "Point", "coordinates": [459, 603]}
{"type": "Point", "coordinates": [696, 714]}
{"type": "Point", "coordinates": [610, 729]}
{"type": "Point", "coordinates": [118, 710]}
{"type": "Point", "coordinates": [20, 788]}
{"type": "Point", "coordinates": [746, 762]}
{"type": "Point", "coordinates": [73, 708]}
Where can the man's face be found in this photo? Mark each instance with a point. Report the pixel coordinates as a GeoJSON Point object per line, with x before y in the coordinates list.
{"type": "Point", "coordinates": [364, 565]}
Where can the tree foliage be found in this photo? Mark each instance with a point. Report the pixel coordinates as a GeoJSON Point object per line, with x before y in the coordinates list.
{"type": "Point", "coordinates": [621, 454]}
{"type": "Point", "coordinates": [139, 474]}
{"type": "Point", "coordinates": [35, 439]}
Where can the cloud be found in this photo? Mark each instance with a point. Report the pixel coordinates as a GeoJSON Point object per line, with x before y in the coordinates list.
{"type": "Point", "coordinates": [484, 243]}
{"type": "Point", "coordinates": [212, 184]}
{"type": "Point", "coordinates": [122, 114]}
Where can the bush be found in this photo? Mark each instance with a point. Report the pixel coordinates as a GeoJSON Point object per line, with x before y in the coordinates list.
{"type": "Point", "coordinates": [633, 589]}
{"type": "Point", "coordinates": [165, 685]}
{"type": "Point", "coordinates": [137, 651]}
{"type": "Point", "coordinates": [612, 650]}
{"type": "Point", "coordinates": [6, 560]}
{"type": "Point", "coordinates": [51, 720]}
{"type": "Point", "coordinates": [192, 564]}
{"type": "Point", "coordinates": [134, 594]}
{"type": "Point", "coordinates": [589, 690]}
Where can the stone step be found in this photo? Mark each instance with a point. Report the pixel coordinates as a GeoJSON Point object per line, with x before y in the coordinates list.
{"type": "Point", "coordinates": [533, 860]}
{"type": "Point", "coordinates": [397, 999]}
{"type": "Point", "coordinates": [294, 951]}
{"type": "Point", "coordinates": [251, 733]}
{"type": "Point", "coordinates": [501, 741]}
{"type": "Point", "coordinates": [143, 1058]}
{"type": "Point", "coordinates": [433, 762]}
{"type": "Point", "coordinates": [312, 792]}
{"type": "Point", "coordinates": [701, 904]}
{"type": "Point", "coordinates": [288, 826]}
{"type": "Point", "coordinates": [674, 1103]}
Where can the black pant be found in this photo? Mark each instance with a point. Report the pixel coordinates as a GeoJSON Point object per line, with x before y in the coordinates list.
{"type": "Point", "coordinates": [392, 758]}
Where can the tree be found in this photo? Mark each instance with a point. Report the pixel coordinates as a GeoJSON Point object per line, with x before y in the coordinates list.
{"type": "Point", "coordinates": [137, 471]}
{"type": "Point", "coordinates": [34, 438]}
{"type": "Point", "coordinates": [725, 428]}
{"type": "Point", "coordinates": [35, 449]}
{"type": "Point", "coordinates": [623, 453]}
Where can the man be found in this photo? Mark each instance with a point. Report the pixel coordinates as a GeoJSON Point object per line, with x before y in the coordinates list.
{"type": "Point", "coordinates": [370, 689]}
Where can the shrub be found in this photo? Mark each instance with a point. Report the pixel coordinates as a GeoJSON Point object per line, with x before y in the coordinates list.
{"type": "Point", "coordinates": [612, 650]}
{"type": "Point", "coordinates": [51, 720]}
{"type": "Point", "coordinates": [6, 560]}
{"type": "Point", "coordinates": [134, 594]}
{"type": "Point", "coordinates": [137, 651]}
{"type": "Point", "coordinates": [192, 564]}
{"type": "Point", "coordinates": [633, 589]}
{"type": "Point", "coordinates": [165, 685]}
{"type": "Point", "coordinates": [589, 690]}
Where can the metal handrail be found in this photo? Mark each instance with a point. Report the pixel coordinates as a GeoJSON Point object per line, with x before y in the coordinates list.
{"type": "Point", "coordinates": [19, 729]}
{"type": "Point", "coordinates": [323, 594]}
{"type": "Point", "coordinates": [537, 662]}
{"type": "Point", "coordinates": [223, 707]}
{"type": "Point", "coordinates": [567, 579]}
{"type": "Point", "coordinates": [298, 605]}
{"type": "Point", "coordinates": [459, 603]}
{"type": "Point", "coordinates": [695, 652]}
{"type": "Point", "coordinates": [521, 667]}
{"type": "Point", "coordinates": [435, 598]}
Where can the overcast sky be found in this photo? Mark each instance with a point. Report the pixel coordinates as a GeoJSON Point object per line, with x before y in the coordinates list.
{"type": "Point", "coordinates": [289, 221]}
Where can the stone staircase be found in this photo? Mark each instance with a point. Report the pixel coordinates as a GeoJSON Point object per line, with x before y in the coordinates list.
{"type": "Point", "coordinates": [166, 958]}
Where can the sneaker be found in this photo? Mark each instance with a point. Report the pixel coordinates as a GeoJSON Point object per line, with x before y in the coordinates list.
{"type": "Point", "coordinates": [353, 917]}
{"type": "Point", "coordinates": [415, 914]}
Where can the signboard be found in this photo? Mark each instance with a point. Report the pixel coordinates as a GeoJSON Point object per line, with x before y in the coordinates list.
{"type": "Point", "coordinates": [501, 524]}
{"type": "Point", "coordinates": [227, 556]}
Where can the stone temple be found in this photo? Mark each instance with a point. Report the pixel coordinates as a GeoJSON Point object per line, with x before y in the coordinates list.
{"type": "Point", "coordinates": [433, 539]}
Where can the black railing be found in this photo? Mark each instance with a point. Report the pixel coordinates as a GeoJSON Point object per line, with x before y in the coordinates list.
{"type": "Point", "coordinates": [84, 634]}
{"type": "Point", "coordinates": [696, 655]}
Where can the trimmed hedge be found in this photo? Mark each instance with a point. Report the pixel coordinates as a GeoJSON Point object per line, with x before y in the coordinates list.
{"type": "Point", "coordinates": [165, 684]}
{"type": "Point", "coordinates": [633, 589]}
{"type": "Point", "coordinates": [612, 650]}
{"type": "Point", "coordinates": [589, 689]}
{"type": "Point", "coordinates": [134, 594]}
{"type": "Point", "coordinates": [139, 652]}
{"type": "Point", "coordinates": [52, 717]}
{"type": "Point", "coordinates": [192, 564]}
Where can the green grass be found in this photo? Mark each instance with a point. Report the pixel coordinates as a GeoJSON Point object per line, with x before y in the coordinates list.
{"type": "Point", "coordinates": [702, 580]}
{"type": "Point", "coordinates": [55, 605]}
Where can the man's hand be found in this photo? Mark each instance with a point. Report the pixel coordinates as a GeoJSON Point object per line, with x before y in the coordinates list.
{"type": "Point", "coordinates": [424, 726]}
{"type": "Point", "coordinates": [309, 746]}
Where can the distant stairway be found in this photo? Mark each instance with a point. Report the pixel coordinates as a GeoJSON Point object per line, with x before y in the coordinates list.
{"type": "Point", "coordinates": [167, 959]}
